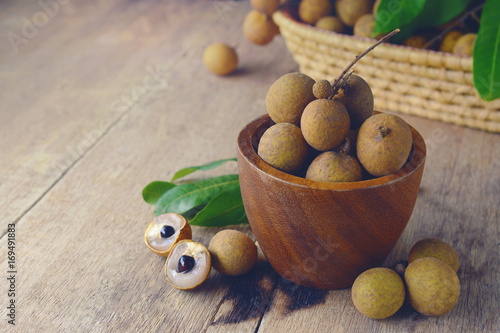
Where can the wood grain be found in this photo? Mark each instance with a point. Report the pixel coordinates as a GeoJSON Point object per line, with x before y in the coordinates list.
{"type": "Point", "coordinates": [80, 255]}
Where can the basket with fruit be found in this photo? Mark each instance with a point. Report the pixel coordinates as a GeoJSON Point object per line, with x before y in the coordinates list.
{"type": "Point", "coordinates": [434, 83]}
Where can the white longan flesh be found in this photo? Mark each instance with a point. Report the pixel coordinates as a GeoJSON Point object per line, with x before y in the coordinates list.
{"type": "Point", "coordinates": [154, 238]}
{"type": "Point", "coordinates": [196, 275]}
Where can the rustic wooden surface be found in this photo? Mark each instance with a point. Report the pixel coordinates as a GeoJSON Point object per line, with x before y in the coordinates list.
{"type": "Point", "coordinates": [103, 96]}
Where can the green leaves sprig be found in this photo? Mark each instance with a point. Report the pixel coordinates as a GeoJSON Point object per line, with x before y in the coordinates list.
{"type": "Point", "coordinates": [410, 15]}
{"type": "Point", "coordinates": [212, 202]}
{"type": "Point", "coordinates": [486, 56]}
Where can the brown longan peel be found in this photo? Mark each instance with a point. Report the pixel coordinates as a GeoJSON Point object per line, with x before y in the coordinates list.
{"type": "Point", "coordinates": [259, 28]}
{"type": "Point", "coordinates": [384, 143]}
{"type": "Point", "coordinates": [324, 124]}
{"type": "Point", "coordinates": [233, 253]}
{"type": "Point", "coordinates": [349, 11]}
{"type": "Point", "coordinates": [335, 166]}
{"type": "Point", "coordinates": [283, 147]}
{"type": "Point", "coordinates": [357, 97]}
{"type": "Point", "coordinates": [310, 11]}
{"type": "Point", "coordinates": [288, 96]}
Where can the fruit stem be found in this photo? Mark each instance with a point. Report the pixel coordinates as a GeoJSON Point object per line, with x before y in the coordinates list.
{"type": "Point", "coordinates": [400, 269]}
{"type": "Point", "coordinates": [346, 146]}
{"type": "Point", "coordinates": [359, 56]}
{"type": "Point", "coordinates": [460, 21]}
{"type": "Point", "coordinates": [337, 87]}
{"type": "Point", "coordinates": [383, 131]}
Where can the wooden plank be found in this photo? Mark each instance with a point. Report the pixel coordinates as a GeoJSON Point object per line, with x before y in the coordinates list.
{"type": "Point", "coordinates": [86, 267]}
{"type": "Point", "coordinates": [72, 80]}
{"type": "Point", "coordinates": [82, 264]}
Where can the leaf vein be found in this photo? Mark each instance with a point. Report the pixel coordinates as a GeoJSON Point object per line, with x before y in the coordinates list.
{"type": "Point", "coordinates": [495, 55]}
{"type": "Point", "coordinates": [200, 188]}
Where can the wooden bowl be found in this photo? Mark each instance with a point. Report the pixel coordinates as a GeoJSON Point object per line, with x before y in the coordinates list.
{"type": "Point", "coordinates": [319, 234]}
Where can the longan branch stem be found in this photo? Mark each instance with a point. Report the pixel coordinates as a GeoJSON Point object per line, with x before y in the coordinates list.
{"type": "Point", "coordinates": [359, 56]}
{"type": "Point", "coordinates": [340, 84]}
{"type": "Point", "coordinates": [461, 20]}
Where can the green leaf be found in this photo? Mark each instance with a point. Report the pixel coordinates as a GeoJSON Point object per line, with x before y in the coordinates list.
{"type": "Point", "coordinates": [224, 209]}
{"type": "Point", "coordinates": [154, 190]}
{"type": "Point", "coordinates": [486, 56]}
{"type": "Point", "coordinates": [410, 15]}
{"type": "Point", "coordinates": [185, 197]}
{"type": "Point", "coordinates": [440, 12]}
{"type": "Point", "coordinates": [212, 165]}
{"type": "Point", "coordinates": [393, 14]}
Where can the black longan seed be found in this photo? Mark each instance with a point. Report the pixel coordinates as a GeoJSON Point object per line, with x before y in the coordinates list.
{"type": "Point", "coordinates": [186, 263]}
{"type": "Point", "coordinates": [167, 231]}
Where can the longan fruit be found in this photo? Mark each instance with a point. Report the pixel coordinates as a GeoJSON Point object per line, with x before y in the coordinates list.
{"type": "Point", "coordinates": [384, 143]}
{"type": "Point", "coordinates": [378, 293]}
{"type": "Point", "coordinates": [449, 41]}
{"type": "Point", "coordinates": [288, 96]}
{"type": "Point", "coordinates": [283, 146]}
{"type": "Point", "coordinates": [310, 11]}
{"type": "Point", "coordinates": [349, 11]}
{"type": "Point", "coordinates": [233, 253]}
{"type": "Point", "coordinates": [220, 58]}
{"type": "Point", "coordinates": [415, 41]}
{"type": "Point", "coordinates": [331, 23]}
{"type": "Point", "coordinates": [364, 26]}
{"type": "Point", "coordinates": [259, 28]}
{"type": "Point", "coordinates": [465, 44]}
{"type": "Point", "coordinates": [325, 124]}
{"type": "Point", "coordinates": [433, 286]}
{"type": "Point", "coordinates": [322, 89]}
{"type": "Point", "coordinates": [436, 248]}
{"type": "Point", "coordinates": [265, 6]}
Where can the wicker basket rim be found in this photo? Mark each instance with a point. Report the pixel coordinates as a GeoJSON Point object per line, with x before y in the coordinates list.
{"type": "Point", "coordinates": [394, 52]}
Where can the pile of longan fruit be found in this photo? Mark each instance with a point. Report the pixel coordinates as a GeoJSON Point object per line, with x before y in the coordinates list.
{"type": "Point", "coordinates": [329, 133]}
{"type": "Point", "coordinates": [357, 17]}
{"type": "Point", "coordinates": [429, 283]}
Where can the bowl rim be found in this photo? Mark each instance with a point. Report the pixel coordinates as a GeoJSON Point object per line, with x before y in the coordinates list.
{"type": "Point", "coordinates": [247, 139]}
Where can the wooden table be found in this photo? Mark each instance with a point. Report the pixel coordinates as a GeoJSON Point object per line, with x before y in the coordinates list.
{"type": "Point", "coordinates": [101, 97]}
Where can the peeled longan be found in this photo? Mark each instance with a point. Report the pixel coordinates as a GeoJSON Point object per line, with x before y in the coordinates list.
{"type": "Point", "coordinates": [220, 59]}
{"type": "Point", "coordinates": [259, 28]}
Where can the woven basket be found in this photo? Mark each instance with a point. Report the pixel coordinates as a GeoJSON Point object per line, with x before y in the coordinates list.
{"type": "Point", "coordinates": [430, 84]}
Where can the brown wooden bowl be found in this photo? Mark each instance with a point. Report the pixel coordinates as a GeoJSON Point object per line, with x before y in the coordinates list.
{"type": "Point", "coordinates": [319, 234]}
